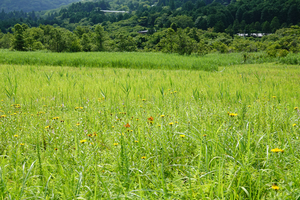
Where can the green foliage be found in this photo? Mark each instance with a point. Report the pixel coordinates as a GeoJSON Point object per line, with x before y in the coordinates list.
{"type": "Point", "coordinates": [125, 43]}
{"type": "Point", "coordinates": [182, 21]}
{"type": "Point", "coordinates": [99, 37]}
{"type": "Point", "coordinates": [5, 41]}
{"type": "Point", "coordinates": [18, 42]}
{"type": "Point", "coordinates": [182, 41]}
{"type": "Point", "coordinates": [86, 42]}
{"type": "Point", "coordinates": [241, 44]}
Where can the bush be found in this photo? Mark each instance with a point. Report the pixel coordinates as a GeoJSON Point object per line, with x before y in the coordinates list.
{"type": "Point", "coordinates": [282, 53]}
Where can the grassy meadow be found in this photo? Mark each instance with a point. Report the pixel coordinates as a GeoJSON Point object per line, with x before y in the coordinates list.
{"type": "Point", "coordinates": [117, 133]}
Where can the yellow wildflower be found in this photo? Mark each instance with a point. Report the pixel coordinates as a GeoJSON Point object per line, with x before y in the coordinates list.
{"type": "Point", "coordinates": [116, 144]}
{"type": "Point", "coordinates": [16, 136]}
{"type": "Point", "coordinates": [22, 144]}
{"type": "Point", "coordinates": [182, 136]}
{"type": "Point", "coordinates": [276, 150]}
{"type": "Point", "coordinates": [275, 187]}
{"type": "Point", "coordinates": [82, 141]}
{"type": "Point", "coordinates": [294, 125]}
{"type": "Point", "coordinates": [232, 114]}
{"type": "Point", "coordinates": [171, 123]}
{"type": "Point", "coordinates": [143, 157]}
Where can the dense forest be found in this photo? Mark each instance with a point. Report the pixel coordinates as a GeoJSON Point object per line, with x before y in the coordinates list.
{"type": "Point", "coordinates": [184, 27]}
{"type": "Point", "coordinates": [231, 17]}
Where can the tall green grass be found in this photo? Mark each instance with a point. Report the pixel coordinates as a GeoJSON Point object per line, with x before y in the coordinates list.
{"type": "Point", "coordinates": [193, 149]}
{"type": "Point", "coordinates": [132, 60]}
{"type": "Point", "coordinates": [290, 59]}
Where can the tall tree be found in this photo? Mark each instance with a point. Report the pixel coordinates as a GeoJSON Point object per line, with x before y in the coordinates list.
{"type": "Point", "coordinates": [85, 42]}
{"type": "Point", "coordinates": [172, 4]}
{"type": "Point", "coordinates": [99, 37]}
{"type": "Point", "coordinates": [18, 40]}
{"type": "Point", "coordinates": [275, 24]}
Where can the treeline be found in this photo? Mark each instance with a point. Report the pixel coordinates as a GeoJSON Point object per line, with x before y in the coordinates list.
{"type": "Point", "coordinates": [171, 40]}
{"type": "Point", "coordinates": [8, 20]}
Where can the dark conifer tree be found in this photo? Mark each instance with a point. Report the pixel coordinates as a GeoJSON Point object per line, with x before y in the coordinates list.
{"type": "Point", "coordinates": [18, 40]}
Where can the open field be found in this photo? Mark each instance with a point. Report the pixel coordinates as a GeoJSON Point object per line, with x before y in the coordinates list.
{"type": "Point", "coordinates": [110, 133]}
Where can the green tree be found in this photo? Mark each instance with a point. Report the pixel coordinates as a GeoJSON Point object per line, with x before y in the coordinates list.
{"type": "Point", "coordinates": [57, 42]}
{"type": "Point", "coordinates": [172, 4]}
{"type": "Point", "coordinates": [79, 31]}
{"type": "Point", "coordinates": [236, 26]}
{"type": "Point", "coordinates": [201, 23]}
{"type": "Point", "coordinates": [182, 21]}
{"type": "Point", "coordinates": [34, 38]}
{"type": "Point", "coordinates": [219, 27]}
{"type": "Point", "coordinates": [18, 42]}
{"type": "Point", "coordinates": [86, 42]}
{"type": "Point", "coordinates": [125, 43]}
{"type": "Point", "coordinates": [99, 37]}
{"type": "Point", "coordinates": [174, 26]}
{"type": "Point", "coordinates": [257, 27]}
{"type": "Point", "coordinates": [293, 14]}
{"type": "Point", "coordinates": [275, 24]}
{"type": "Point", "coordinates": [186, 45]}
{"type": "Point", "coordinates": [266, 28]}
{"type": "Point", "coordinates": [72, 41]}
{"type": "Point", "coordinates": [229, 30]}
{"type": "Point", "coordinates": [169, 43]}
{"type": "Point", "coordinates": [6, 40]}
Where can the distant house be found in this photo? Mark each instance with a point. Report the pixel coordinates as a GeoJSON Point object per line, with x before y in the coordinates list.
{"type": "Point", "coordinates": [253, 34]}
{"type": "Point", "coordinates": [143, 32]}
{"type": "Point", "coordinates": [114, 11]}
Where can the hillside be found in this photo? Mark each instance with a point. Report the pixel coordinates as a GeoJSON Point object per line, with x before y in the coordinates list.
{"type": "Point", "coordinates": [224, 16]}
{"type": "Point", "coordinates": [32, 5]}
